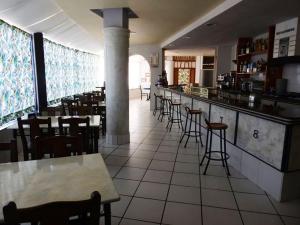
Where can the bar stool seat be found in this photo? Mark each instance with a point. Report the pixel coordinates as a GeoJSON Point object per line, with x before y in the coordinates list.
{"type": "Point", "coordinates": [216, 155]}
{"type": "Point", "coordinates": [217, 126]}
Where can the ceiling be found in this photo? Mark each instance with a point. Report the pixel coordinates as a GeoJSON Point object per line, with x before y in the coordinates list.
{"type": "Point", "coordinates": [248, 18]}
{"type": "Point", "coordinates": [71, 22]}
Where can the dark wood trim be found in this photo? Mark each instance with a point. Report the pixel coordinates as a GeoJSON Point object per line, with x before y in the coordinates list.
{"type": "Point", "coordinates": [40, 75]}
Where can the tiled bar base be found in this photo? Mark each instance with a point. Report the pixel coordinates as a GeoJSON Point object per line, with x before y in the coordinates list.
{"type": "Point", "coordinates": [257, 145]}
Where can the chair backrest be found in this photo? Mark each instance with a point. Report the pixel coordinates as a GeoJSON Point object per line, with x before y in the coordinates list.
{"type": "Point", "coordinates": [12, 147]}
{"type": "Point", "coordinates": [89, 96]}
{"type": "Point", "coordinates": [58, 146]}
{"type": "Point", "coordinates": [56, 213]}
{"type": "Point", "coordinates": [73, 125]}
{"type": "Point", "coordinates": [66, 104]}
{"type": "Point", "coordinates": [81, 110]}
{"type": "Point", "coordinates": [99, 98]}
{"type": "Point", "coordinates": [89, 103]}
{"type": "Point", "coordinates": [35, 129]}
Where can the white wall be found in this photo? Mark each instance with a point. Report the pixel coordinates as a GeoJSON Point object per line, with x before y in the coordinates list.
{"type": "Point", "coordinates": [169, 67]}
{"type": "Point", "coordinates": [292, 73]}
{"type": "Point", "coordinates": [147, 51]}
{"type": "Point", "coordinates": [198, 77]}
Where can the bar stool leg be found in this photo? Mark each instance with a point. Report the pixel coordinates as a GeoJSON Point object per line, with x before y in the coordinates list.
{"type": "Point", "coordinates": [177, 114]}
{"type": "Point", "coordinates": [221, 148]}
{"type": "Point", "coordinates": [172, 117]}
{"type": "Point", "coordinates": [225, 153]}
{"type": "Point", "coordinates": [184, 132]}
{"type": "Point", "coordinates": [180, 117]}
{"type": "Point", "coordinates": [200, 134]}
{"type": "Point", "coordinates": [209, 154]}
{"type": "Point", "coordinates": [169, 116]}
{"type": "Point", "coordinates": [206, 148]}
{"type": "Point", "coordinates": [196, 128]}
{"type": "Point", "coordinates": [190, 127]}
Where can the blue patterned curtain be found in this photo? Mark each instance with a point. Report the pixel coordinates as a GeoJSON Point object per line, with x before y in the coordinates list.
{"type": "Point", "coordinates": [69, 71]}
{"type": "Point", "coordinates": [17, 92]}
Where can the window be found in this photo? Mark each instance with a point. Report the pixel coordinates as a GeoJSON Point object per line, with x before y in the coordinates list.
{"type": "Point", "coordinates": [17, 90]}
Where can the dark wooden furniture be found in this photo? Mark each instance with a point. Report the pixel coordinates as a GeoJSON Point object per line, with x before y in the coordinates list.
{"type": "Point", "coordinates": [192, 115]}
{"type": "Point", "coordinates": [58, 146]}
{"type": "Point", "coordinates": [81, 110]}
{"type": "Point", "coordinates": [37, 127]}
{"type": "Point", "coordinates": [164, 109]}
{"type": "Point", "coordinates": [66, 104]}
{"type": "Point", "coordinates": [187, 63]}
{"type": "Point", "coordinates": [89, 103]}
{"type": "Point", "coordinates": [101, 110]}
{"type": "Point", "coordinates": [211, 154]}
{"type": "Point", "coordinates": [74, 126]}
{"type": "Point", "coordinates": [12, 147]}
{"type": "Point", "coordinates": [56, 213]}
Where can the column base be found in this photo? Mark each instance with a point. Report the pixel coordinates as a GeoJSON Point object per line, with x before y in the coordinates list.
{"type": "Point", "coordinates": [117, 139]}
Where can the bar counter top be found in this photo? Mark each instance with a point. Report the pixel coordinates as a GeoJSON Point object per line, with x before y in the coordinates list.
{"type": "Point", "coordinates": [283, 112]}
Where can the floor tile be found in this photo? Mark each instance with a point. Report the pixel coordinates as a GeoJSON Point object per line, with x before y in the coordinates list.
{"type": "Point", "coordinates": [114, 220]}
{"type": "Point", "coordinates": [116, 160]}
{"type": "Point", "coordinates": [113, 170]}
{"type": "Point", "coordinates": [184, 194]}
{"type": "Point", "coordinates": [152, 190]}
{"type": "Point", "coordinates": [245, 185]}
{"type": "Point", "coordinates": [161, 165]}
{"type": "Point", "coordinates": [126, 187]}
{"type": "Point", "coordinates": [165, 156]}
{"type": "Point", "coordinates": [170, 149]}
{"type": "Point", "coordinates": [131, 173]}
{"type": "Point", "coordinates": [289, 208]}
{"type": "Point", "coordinates": [214, 170]}
{"type": "Point", "coordinates": [188, 151]}
{"type": "Point", "coordinates": [255, 203]}
{"type": "Point", "coordinates": [291, 220]}
{"type": "Point", "coordinates": [186, 179]}
{"type": "Point", "coordinates": [138, 162]}
{"type": "Point", "coordinates": [250, 218]}
{"type": "Point", "coordinates": [118, 208]}
{"type": "Point", "coordinates": [145, 147]}
{"type": "Point", "coordinates": [213, 182]}
{"type": "Point", "coordinates": [123, 152]}
{"type": "Point", "coordinates": [186, 167]}
{"type": "Point", "coordinates": [103, 150]}
{"type": "Point", "coordinates": [216, 198]}
{"type": "Point", "coordinates": [217, 216]}
{"type": "Point", "coordinates": [145, 209]}
{"type": "Point", "coordinates": [143, 154]}
{"type": "Point", "coordinates": [157, 176]}
{"type": "Point", "coordinates": [135, 222]}
{"type": "Point", "coordinates": [182, 214]}
{"type": "Point", "coordinates": [170, 143]}
{"type": "Point", "coordinates": [187, 158]}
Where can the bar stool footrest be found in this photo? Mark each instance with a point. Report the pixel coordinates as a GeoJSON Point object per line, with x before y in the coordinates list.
{"type": "Point", "coordinates": [225, 156]}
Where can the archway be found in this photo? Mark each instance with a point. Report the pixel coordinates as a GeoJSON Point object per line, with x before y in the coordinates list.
{"type": "Point", "coordinates": [139, 72]}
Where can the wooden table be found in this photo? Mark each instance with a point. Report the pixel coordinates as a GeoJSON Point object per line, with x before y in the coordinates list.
{"type": "Point", "coordinates": [74, 178]}
{"type": "Point", "coordinates": [95, 122]}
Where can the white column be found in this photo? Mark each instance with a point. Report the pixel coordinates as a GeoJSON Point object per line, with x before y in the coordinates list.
{"type": "Point", "coordinates": [116, 44]}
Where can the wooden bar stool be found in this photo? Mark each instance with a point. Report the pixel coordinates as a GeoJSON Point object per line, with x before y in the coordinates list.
{"type": "Point", "coordinates": [156, 107]}
{"type": "Point", "coordinates": [221, 127]}
{"type": "Point", "coordinates": [190, 115]}
{"type": "Point", "coordinates": [174, 107]}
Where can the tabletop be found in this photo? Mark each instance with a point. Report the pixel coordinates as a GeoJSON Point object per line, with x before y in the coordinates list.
{"type": "Point", "coordinates": [73, 178]}
{"type": "Point", "coordinates": [95, 121]}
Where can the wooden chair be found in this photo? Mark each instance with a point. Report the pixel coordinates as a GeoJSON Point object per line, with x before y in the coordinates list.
{"type": "Point", "coordinates": [87, 212]}
{"type": "Point", "coordinates": [58, 146]}
{"type": "Point", "coordinates": [89, 103]}
{"type": "Point", "coordinates": [101, 110]}
{"type": "Point", "coordinates": [143, 93]}
{"type": "Point", "coordinates": [37, 127]}
{"type": "Point", "coordinates": [75, 126]}
{"type": "Point", "coordinates": [100, 98]}
{"type": "Point", "coordinates": [81, 110]}
{"type": "Point", "coordinates": [12, 147]}
{"type": "Point", "coordinates": [89, 96]}
{"type": "Point", "coordinates": [51, 111]}
{"type": "Point", "coordinates": [66, 104]}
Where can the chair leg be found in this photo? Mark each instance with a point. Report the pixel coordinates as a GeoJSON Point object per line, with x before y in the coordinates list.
{"type": "Point", "coordinates": [206, 148]}
{"type": "Point", "coordinates": [190, 127]}
{"type": "Point", "coordinates": [225, 153]}
{"type": "Point", "coordinates": [184, 132]}
{"type": "Point", "coordinates": [221, 148]}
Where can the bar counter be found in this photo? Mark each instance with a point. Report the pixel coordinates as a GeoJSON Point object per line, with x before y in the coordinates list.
{"type": "Point", "coordinates": [263, 138]}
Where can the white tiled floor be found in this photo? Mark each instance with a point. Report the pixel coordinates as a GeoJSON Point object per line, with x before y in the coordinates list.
{"type": "Point", "coordinates": [160, 182]}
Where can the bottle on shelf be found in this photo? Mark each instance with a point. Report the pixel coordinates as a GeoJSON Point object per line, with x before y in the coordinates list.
{"type": "Point", "coordinates": [248, 47]}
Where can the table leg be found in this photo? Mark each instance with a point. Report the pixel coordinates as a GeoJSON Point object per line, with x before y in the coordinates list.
{"type": "Point", "coordinates": [107, 214]}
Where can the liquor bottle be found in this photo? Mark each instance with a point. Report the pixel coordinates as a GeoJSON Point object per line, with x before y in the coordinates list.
{"type": "Point", "coordinates": [248, 48]}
